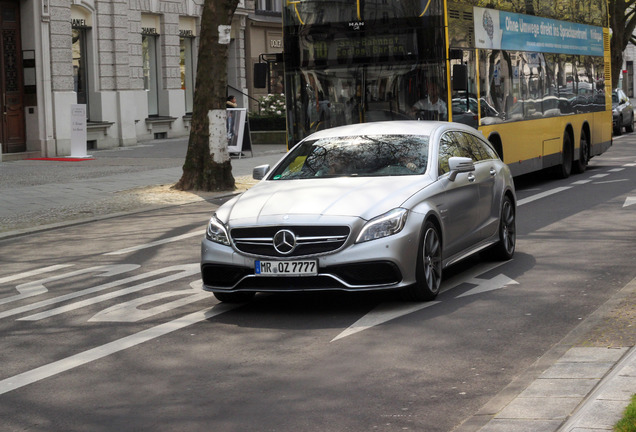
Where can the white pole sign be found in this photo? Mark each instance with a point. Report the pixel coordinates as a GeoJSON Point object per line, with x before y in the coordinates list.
{"type": "Point", "coordinates": [78, 130]}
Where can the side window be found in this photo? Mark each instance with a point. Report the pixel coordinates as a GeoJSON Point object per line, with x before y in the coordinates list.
{"type": "Point", "coordinates": [465, 146]}
{"type": "Point", "coordinates": [486, 150]}
{"type": "Point", "coordinates": [448, 147]}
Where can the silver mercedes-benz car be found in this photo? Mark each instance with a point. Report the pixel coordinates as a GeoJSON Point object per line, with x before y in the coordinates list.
{"type": "Point", "coordinates": [371, 206]}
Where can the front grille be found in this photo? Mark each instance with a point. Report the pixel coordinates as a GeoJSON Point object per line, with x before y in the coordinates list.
{"type": "Point", "coordinates": [309, 240]}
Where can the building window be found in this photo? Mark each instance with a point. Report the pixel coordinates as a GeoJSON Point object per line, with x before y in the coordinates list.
{"type": "Point", "coordinates": [151, 75]}
{"type": "Point", "coordinates": [187, 72]}
{"type": "Point", "coordinates": [269, 7]}
{"type": "Point", "coordinates": [80, 72]}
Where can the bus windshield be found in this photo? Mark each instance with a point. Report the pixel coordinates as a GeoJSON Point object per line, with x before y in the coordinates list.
{"type": "Point", "coordinates": [358, 64]}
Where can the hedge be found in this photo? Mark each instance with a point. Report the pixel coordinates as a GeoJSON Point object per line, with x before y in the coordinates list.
{"type": "Point", "coordinates": [267, 123]}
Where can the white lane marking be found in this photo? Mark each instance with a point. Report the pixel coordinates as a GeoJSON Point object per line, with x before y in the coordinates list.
{"type": "Point", "coordinates": [57, 367]}
{"type": "Point", "coordinates": [617, 170]}
{"type": "Point", "coordinates": [130, 311]}
{"type": "Point", "coordinates": [598, 176]}
{"type": "Point", "coordinates": [37, 287]}
{"type": "Point", "coordinates": [35, 272]}
{"type": "Point", "coordinates": [156, 243]}
{"type": "Point", "coordinates": [611, 181]}
{"type": "Point", "coordinates": [542, 195]}
{"type": "Point", "coordinates": [581, 182]}
{"type": "Point", "coordinates": [629, 201]}
{"type": "Point", "coordinates": [381, 314]}
{"type": "Point", "coordinates": [185, 270]}
{"type": "Point", "coordinates": [484, 285]}
{"type": "Point", "coordinates": [70, 296]}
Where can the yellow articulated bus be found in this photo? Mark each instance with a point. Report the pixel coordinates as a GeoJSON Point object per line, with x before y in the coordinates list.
{"type": "Point", "coordinates": [532, 75]}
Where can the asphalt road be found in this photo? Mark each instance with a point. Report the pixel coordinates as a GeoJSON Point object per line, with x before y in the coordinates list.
{"type": "Point", "coordinates": [105, 327]}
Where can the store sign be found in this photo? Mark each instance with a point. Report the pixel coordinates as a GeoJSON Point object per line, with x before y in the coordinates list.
{"type": "Point", "coordinates": [79, 23]}
{"type": "Point", "coordinates": [150, 31]}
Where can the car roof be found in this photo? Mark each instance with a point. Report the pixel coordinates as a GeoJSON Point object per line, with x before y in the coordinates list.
{"type": "Point", "coordinates": [402, 127]}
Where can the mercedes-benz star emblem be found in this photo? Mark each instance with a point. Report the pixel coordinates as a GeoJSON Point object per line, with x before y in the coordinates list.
{"type": "Point", "coordinates": [284, 242]}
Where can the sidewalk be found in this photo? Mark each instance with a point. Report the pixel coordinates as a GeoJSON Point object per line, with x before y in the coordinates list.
{"type": "Point", "coordinates": [572, 388]}
{"type": "Point", "coordinates": [35, 193]}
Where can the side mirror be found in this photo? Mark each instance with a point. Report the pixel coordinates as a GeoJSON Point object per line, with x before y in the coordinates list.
{"type": "Point", "coordinates": [460, 77]}
{"type": "Point", "coordinates": [459, 165]}
{"type": "Point", "coordinates": [259, 172]}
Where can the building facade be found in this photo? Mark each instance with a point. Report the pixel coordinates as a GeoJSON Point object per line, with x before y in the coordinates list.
{"type": "Point", "coordinates": [131, 63]}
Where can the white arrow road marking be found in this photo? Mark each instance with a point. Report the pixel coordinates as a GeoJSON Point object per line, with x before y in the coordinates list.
{"type": "Point", "coordinates": [25, 275]}
{"type": "Point", "coordinates": [185, 270]}
{"type": "Point", "coordinates": [130, 312]}
{"type": "Point", "coordinates": [34, 288]}
{"type": "Point", "coordinates": [51, 369]}
{"type": "Point", "coordinates": [629, 201]}
{"type": "Point", "coordinates": [389, 311]}
{"type": "Point", "coordinates": [156, 243]}
{"type": "Point", "coordinates": [381, 314]}
{"type": "Point", "coordinates": [483, 285]}
{"type": "Point", "coordinates": [35, 272]}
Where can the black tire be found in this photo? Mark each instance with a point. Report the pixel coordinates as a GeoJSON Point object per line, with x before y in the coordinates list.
{"type": "Point", "coordinates": [429, 266]}
{"type": "Point", "coordinates": [565, 169]}
{"type": "Point", "coordinates": [584, 154]}
{"type": "Point", "coordinates": [234, 297]}
{"type": "Point", "coordinates": [618, 131]}
{"type": "Point", "coordinates": [505, 248]}
{"type": "Point", "coordinates": [629, 127]}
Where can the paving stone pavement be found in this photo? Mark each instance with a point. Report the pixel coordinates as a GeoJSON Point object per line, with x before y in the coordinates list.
{"type": "Point", "coordinates": [570, 389]}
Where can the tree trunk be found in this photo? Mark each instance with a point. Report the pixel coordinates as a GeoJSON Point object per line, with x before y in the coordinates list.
{"type": "Point", "coordinates": [207, 166]}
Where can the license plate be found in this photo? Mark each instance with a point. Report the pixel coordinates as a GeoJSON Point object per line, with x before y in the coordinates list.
{"type": "Point", "coordinates": [286, 268]}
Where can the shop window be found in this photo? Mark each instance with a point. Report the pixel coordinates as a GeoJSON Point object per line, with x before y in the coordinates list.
{"type": "Point", "coordinates": [80, 66]}
{"type": "Point", "coordinates": [151, 75]}
{"type": "Point", "coordinates": [187, 72]}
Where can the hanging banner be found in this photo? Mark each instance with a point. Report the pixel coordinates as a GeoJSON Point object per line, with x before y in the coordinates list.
{"type": "Point", "coordinates": [516, 32]}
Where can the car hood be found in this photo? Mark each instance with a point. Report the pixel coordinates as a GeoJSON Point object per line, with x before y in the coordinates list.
{"type": "Point", "coordinates": [312, 200]}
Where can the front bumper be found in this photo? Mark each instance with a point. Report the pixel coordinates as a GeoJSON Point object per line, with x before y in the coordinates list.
{"type": "Point", "coordinates": [387, 263]}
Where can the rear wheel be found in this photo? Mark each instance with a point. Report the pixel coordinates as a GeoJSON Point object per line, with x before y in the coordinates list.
{"type": "Point", "coordinates": [584, 154]}
{"type": "Point", "coordinates": [629, 127]}
{"type": "Point", "coordinates": [234, 297]}
{"type": "Point", "coordinates": [505, 248]}
{"type": "Point", "coordinates": [429, 266]}
{"type": "Point", "coordinates": [618, 130]}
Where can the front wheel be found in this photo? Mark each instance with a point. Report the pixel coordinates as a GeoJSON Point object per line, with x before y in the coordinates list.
{"type": "Point", "coordinates": [428, 275]}
{"type": "Point", "coordinates": [505, 248]}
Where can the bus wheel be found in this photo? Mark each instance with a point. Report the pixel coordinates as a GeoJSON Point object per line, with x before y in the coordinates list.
{"type": "Point", "coordinates": [584, 154]}
{"type": "Point", "coordinates": [565, 169]}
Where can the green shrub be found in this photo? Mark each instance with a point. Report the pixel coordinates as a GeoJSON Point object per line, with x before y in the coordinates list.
{"type": "Point", "coordinates": [271, 115]}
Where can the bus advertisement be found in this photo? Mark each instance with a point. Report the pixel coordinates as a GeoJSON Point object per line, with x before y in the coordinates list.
{"type": "Point", "coordinates": [531, 76]}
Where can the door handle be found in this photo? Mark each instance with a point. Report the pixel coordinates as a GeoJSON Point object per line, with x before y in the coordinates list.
{"type": "Point", "coordinates": [471, 177]}
{"type": "Point", "coordinates": [493, 172]}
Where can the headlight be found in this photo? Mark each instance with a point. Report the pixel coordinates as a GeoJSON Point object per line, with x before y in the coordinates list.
{"type": "Point", "coordinates": [385, 225]}
{"type": "Point", "coordinates": [217, 232]}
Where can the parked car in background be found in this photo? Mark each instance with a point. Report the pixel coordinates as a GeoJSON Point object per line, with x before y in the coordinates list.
{"type": "Point", "coordinates": [622, 112]}
{"type": "Point", "coordinates": [372, 206]}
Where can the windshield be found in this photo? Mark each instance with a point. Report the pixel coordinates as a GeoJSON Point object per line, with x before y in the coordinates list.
{"type": "Point", "coordinates": [363, 156]}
